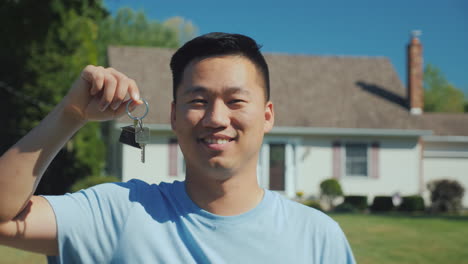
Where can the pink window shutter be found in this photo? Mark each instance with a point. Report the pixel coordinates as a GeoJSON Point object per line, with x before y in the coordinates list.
{"type": "Point", "coordinates": [172, 155]}
{"type": "Point", "coordinates": [374, 160]}
{"type": "Point", "coordinates": [336, 160]}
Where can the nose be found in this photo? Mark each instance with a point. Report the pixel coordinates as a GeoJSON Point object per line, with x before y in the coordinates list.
{"type": "Point", "coordinates": [216, 115]}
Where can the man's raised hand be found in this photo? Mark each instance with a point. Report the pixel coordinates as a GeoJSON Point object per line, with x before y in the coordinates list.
{"type": "Point", "coordinates": [100, 94]}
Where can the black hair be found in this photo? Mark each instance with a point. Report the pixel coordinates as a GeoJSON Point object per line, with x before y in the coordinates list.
{"type": "Point", "coordinates": [218, 44]}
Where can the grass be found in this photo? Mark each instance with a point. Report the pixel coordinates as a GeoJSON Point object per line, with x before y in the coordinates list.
{"type": "Point", "coordinates": [15, 256]}
{"type": "Point", "coordinates": [374, 239]}
{"type": "Point", "coordinates": [406, 239]}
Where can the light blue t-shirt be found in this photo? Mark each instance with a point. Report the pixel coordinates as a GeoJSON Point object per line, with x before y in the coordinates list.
{"type": "Point", "coordinates": [135, 222]}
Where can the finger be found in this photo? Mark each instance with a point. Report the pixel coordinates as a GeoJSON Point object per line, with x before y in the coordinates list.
{"type": "Point", "coordinates": [132, 88]}
{"type": "Point", "coordinates": [95, 77]}
{"type": "Point", "coordinates": [123, 107]}
{"type": "Point", "coordinates": [120, 92]}
{"type": "Point", "coordinates": [110, 84]}
{"type": "Point", "coordinates": [98, 83]}
{"type": "Point", "coordinates": [87, 73]}
{"type": "Point", "coordinates": [134, 91]}
{"type": "Point", "coordinates": [122, 87]}
{"type": "Point", "coordinates": [129, 86]}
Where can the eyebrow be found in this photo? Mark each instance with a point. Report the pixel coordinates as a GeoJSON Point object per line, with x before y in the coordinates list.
{"type": "Point", "coordinates": [204, 90]}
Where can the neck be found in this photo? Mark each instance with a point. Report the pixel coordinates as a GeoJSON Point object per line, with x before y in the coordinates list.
{"type": "Point", "coordinates": [234, 195]}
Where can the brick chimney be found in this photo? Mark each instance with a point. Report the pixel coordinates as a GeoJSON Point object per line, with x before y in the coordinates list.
{"type": "Point", "coordinates": [415, 94]}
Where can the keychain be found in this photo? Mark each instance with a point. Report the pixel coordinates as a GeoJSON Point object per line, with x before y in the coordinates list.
{"type": "Point", "coordinates": [137, 135]}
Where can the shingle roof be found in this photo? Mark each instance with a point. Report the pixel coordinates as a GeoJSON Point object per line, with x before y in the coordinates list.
{"type": "Point", "coordinates": [445, 124]}
{"type": "Point", "coordinates": [307, 91]}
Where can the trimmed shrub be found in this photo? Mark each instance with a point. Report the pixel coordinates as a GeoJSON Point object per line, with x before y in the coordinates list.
{"type": "Point", "coordinates": [90, 181]}
{"type": "Point", "coordinates": [330, 189]}
{"type": "Point", "coordinates": [345, 208]}
{"type": "Point", "coordinates": [359, 202]}
{"type": "Point", "coordinates": [446, 196]}
{"type": "Point", "coordinates": [313, 204]}
{"type": "Point", "coordinates": [382, 204]}
{"type": "Point", "coordinates": [413, 203]}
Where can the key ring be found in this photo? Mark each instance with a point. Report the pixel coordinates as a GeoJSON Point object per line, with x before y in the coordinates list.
{"type": "Point", "coordinates": [135, 117]}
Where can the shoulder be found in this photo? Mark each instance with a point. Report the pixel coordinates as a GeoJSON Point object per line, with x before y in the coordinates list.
{"type": "Point", "coordinates": [109, 195]}
{"type": "Point", "coordinates": [133, 191]}
{"type": "Point", "coordinates": [302, 214]}
{"type": "Point", "coordinates": [312, 225]}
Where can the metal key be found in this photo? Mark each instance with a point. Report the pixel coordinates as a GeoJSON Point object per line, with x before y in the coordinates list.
{"type": "Point", "coordinates": [137, 135]}
{"type": "Point", "coordinates": [142, 137]}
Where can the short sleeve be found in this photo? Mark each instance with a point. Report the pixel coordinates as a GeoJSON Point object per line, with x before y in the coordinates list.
{"type": "Point", "coordinates": [89, 222]}
{"type": "Point", "coordinates": [336, 248]}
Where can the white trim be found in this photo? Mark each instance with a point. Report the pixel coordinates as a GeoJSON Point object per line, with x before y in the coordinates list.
{"type": "Point", "coordinates": [262, 168]}
{"type": "Point", "coordinates": [348, 131]}
{"type": "Point", "coordinates": [460, 139]}
{"type": "Point", "coordinates": [180, 162]}
{"type": "Point", "coordinates": [291, 170]}
{"type": "Point", "coordinates": [416, 111]}
{"type": "Point", "coordinates": [444, 154]}
{"type": "Point", "coordinates": [318, 130]}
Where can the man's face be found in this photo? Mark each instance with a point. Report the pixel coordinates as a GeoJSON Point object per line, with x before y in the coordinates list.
{"type": "Point", "coordinates": [221, 115]}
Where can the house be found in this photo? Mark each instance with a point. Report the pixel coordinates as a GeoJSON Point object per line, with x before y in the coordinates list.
{"type": "Point", "coordinates": [349, 118]}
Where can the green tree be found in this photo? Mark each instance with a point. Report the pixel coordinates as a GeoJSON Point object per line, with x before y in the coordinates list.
{"type": "Point", "coordinates": [440, 95]}
{"type": "Point", "coordinates": [47, 44]}
{"type": "Point", "coordinates": [133, 28]}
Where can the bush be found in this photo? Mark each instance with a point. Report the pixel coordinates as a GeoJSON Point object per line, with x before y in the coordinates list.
{"type": "Point", "coordinates": [313, 204]}
{"type": "Point", "coordinates": [90, 181]}
{"type": "Point", "coordinates": [345, 208]}
{"type": "Point", "coordinates": [413, 203]}
{"type": "Point", "coordinates": [446, 196]}
{"type": "Point", "coordinates": [382, 204]}
{"type": "Point", "coordinates": [330, 189]}
{"type": "Point", "coordinates": [359, 202]}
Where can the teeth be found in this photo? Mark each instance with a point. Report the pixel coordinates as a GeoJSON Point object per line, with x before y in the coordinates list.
{"type": "Point", "coordinates": [216, 141]}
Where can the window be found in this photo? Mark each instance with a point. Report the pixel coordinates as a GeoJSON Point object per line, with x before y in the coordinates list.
{"type": "Point", "coordinates": [356, 159]}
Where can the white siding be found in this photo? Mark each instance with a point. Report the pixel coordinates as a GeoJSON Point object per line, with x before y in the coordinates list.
{"type": "Point", "coordinates": [155, 169]}
{"type": "Point", "coordinates": [310, 160]}
{"type": "Point", "coordinates": [446, 161]}
{"type": "Point", "coordinates": [398, 171]}
{"type": "Point", "coordinates": [314, 165]}
{"type": "Point", "coordinates": [398, 167]}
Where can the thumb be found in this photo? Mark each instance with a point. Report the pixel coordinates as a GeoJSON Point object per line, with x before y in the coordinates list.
{"type": "Point", "coordinates": [123, 107]}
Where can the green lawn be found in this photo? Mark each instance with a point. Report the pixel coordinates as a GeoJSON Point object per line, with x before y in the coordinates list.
{"type": "Point", "coordinates": [14, 256]}
{"type": "Point", "coordinates": [374, 239]}
{"type": "Point", "coordinates": [406, 239]}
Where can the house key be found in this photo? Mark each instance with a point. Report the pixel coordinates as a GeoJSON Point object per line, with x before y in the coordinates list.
{"type": "Point", "coordinates": [137, 135]}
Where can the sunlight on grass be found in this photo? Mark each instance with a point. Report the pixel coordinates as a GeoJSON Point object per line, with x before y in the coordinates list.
{"type": "Point", "coordinates": [15, 256]}
{"type": "Point", "coordinates": [379, 239]}
{"type": "Point", "coordinates": [405, 239]}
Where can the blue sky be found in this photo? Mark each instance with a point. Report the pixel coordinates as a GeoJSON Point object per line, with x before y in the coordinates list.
{"type": "Point", "coordinates": [355, 28]}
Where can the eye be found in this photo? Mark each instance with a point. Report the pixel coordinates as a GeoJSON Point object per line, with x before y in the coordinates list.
{"type": "Point", "coordinates": [236, 101]}
{"type": "Point", "coordinates": [197, 102]}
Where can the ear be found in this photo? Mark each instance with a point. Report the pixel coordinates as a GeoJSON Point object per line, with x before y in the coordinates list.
{"type": "Point", "coordinates": [269, 117]}
{"type": "Point", "coordinates": [173, 115]}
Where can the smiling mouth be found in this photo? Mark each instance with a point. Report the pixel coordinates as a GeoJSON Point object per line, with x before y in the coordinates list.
{"type": "Point", "coordinates": [217, 141]}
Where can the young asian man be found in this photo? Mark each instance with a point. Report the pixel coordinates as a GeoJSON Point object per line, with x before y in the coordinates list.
{"type": "Point", "coordinates": [220, 113]}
